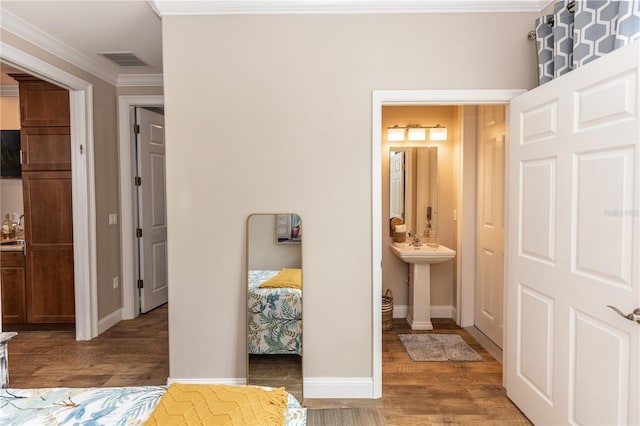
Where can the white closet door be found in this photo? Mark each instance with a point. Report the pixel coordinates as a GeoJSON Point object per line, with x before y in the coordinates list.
{"type": "Point", "coordinates": [573, 246]}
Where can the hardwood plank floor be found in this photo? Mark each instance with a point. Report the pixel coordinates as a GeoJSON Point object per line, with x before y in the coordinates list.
{"type": "Point", "coordinates": [135, 352]}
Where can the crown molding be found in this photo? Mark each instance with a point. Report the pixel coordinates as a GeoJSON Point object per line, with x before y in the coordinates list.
{"type": "Point", "coordinates": [9, 90]}
{"type": "Point", "coordinates": [42, 40]}
{"type": "Point", "coordinates": [257, 7]}
{"type": "Point", "coordinates": [129, 80]}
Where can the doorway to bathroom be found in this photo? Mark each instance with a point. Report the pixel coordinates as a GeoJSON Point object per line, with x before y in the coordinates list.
{"type": "Point", "coordinates": [463, 198]}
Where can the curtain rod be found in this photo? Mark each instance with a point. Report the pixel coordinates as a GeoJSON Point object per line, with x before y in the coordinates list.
{"type": "Point", "coordinates": [571, 8]}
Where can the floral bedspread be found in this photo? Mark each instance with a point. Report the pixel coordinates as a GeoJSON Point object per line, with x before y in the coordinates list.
{"type": "Point", "coordinates": [123, 406]}
{"type": "Point", "coordinates": [275, 317]}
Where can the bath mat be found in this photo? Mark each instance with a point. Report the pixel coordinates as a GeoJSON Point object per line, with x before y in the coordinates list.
{"type": "Point", "coordinates": [438, 347]}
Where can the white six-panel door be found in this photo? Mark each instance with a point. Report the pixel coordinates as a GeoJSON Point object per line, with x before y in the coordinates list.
{"type": "Point", "coordinates": [489, 317]}
{"type": "Point", "coordinates": [152, 210]}
{"type": "Point", "coordinates": [573, 246]}
{"type": "Point", "coordinates": [396, 185]}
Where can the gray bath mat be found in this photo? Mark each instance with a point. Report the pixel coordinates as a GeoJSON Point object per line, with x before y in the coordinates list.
{"type": "Point", "coordinates": [438, 347]}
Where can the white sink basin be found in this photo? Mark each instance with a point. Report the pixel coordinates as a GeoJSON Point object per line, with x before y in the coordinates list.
{"type": "Point", "coordinates": [420, 259]}
{"type": "Point", "coordinates": [422, 254]}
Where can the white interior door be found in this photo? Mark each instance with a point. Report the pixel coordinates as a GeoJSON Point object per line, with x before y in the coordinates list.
{"type": "Point", "coordinates": [489, 316]}
{"type": "Point", "coordinates": [152, 218]}
{"type": "Point", "coordinates": [396, 185]}
{"type": "Point", "coordinates": [573, 232]}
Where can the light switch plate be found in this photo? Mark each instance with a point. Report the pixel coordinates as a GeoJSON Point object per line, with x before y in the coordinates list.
{"type": "Point", "coordinates": [113, 218]}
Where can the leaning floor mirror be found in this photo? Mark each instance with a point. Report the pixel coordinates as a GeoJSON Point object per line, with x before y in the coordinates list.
{"type": "Point", "coordinates": [274, 301]}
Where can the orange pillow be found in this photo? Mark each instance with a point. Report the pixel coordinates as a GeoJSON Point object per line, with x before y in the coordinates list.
{"type": "Point", "coordinates": [287, 278]}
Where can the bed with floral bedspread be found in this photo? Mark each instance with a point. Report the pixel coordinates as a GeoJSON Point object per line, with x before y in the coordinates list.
{"type": "Point", "coordinates": [122, 406]}
{"type": "Point", "coordinates": [274, 316]}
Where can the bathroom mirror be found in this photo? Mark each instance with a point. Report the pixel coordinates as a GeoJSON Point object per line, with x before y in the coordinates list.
{"type": "Point", "coordinates": [274, 301]}
{"type": "Point", "coordinates": [413, 186]}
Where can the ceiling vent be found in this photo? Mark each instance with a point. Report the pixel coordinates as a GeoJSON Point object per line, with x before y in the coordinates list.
{"type": "Point", "coordinates": [124, 59]}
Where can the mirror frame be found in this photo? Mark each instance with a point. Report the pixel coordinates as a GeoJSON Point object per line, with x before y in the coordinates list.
{"type": "Point", "coordinates": [299, 245]}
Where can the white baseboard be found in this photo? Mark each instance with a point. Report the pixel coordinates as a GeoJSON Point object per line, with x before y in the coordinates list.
{"type": "Point", "coordinates": [314, 387]}
{"type": "Point", "coordinates": [400, 311]}
{"type": "Point", "coordinates": [109, 321]}
{"type": "Point", "coordinates": [339, 387]}
{"type": "Point", "coordinates": [437, 311]}
{"type": "Point", "coordinates": [443, 311]}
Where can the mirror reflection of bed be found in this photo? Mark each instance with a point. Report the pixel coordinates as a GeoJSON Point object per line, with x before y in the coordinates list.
{"type": "Point", "coordinates": [274, 301]}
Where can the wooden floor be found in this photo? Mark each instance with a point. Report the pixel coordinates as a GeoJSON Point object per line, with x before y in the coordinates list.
{"type": "Point", "coordinates": [135, 352]}
{"type": "Point", "coordinates": [132, 353]}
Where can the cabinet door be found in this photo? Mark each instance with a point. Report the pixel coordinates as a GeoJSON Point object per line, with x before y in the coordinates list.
{"type": "Point", "coordinates": [45, 148]}
{"type": "Point", "coordinates": [49, 289]}
{"type": "Point", "coordinates": [12, 281]}
{"type": "Point", "coordinates": [41, 103]}
{"type": "Point", "coordinates": [49, 235]}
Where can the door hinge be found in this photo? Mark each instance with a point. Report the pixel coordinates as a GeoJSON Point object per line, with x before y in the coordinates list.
{"type": "Point", "coordinates": [136, 128]}
{"type": "Point", "coordinates": [140, 284]}
{"type": "Point", "coordinates": [138, 232]}
{"type": "Point", "coordinates": [137, 181]}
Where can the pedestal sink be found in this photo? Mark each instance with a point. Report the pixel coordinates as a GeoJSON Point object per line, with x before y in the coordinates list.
{"type": "Point", "coordinates": [420, 258]}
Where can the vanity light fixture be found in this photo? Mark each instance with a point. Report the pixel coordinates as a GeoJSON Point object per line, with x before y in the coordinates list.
{"type": "Point", "coordinates": [438, 133]}
{"type": "Point", "coordinates": [417, 133]}
{"type": "Point", "coordinates": [395, 133]}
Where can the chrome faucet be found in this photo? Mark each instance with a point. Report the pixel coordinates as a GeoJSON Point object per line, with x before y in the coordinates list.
{"type": "Point", "coordinates": [416, 239]}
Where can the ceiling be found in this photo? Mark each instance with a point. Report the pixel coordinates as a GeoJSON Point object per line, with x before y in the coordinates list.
{"type": "Point", "coordinates": [78, 31]}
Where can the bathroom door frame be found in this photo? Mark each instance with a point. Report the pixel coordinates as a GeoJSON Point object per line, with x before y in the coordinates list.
{"type": "Point", "coordinates": [465, 246]}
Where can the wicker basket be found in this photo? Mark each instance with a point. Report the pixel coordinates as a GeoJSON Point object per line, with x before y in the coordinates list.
{"type": "Point", "coordinates": [399, 237]}
{"type": "Point", "coordinates": [387, 310]}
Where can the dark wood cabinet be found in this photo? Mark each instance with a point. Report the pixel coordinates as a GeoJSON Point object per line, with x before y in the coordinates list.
{"type": "Point", "coordinates": [45, 148]}
{"type": "Point", "coordinates": [42, 104]}
{"type": "Point", "coordinates": [49, 289]}
{"type": "Point", "coordinates": [12, 279]}
{"type": "Point", "coordinates": [46, 187]}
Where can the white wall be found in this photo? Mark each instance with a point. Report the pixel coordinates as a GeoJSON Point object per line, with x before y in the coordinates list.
{"type": "Point", "coordinates": [273, 113]}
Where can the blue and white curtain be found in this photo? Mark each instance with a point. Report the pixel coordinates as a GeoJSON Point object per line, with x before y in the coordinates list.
{"type": "Point", "coordinates": [580, 31]}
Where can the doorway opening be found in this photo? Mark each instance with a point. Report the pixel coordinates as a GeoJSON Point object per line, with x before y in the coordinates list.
{"type": "Point", "coordinates": [465, 282]}
{"type": "Point", "coordinates": [129, 241]}
{"type": "Point", "coordinates": [83, 183]}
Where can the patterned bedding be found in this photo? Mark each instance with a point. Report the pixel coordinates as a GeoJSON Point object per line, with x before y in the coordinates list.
{"type": "Point", "coordinates": [125, 406]}
{"type": "Point", "coordinates": [275, 317]}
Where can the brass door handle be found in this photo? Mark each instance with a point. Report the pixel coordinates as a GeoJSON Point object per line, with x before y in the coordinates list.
{"type": "Point", "coordinates": [633, 316]}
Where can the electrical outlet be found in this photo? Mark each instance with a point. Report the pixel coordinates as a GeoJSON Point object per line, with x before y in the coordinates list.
{"type": "Point", "coordinates": [455, 215]}
{"type": "Point", "coordinates": [113, 218]}
{"type": "Point", "coordinates": [116, 282]}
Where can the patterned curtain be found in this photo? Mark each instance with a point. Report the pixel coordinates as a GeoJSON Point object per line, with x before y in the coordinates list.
{"type": "Point", "coordinates": [580, 31]}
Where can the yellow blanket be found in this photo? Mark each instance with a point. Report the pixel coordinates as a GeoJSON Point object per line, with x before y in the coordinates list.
{"type": "Point", "coordinates": [185, 404]}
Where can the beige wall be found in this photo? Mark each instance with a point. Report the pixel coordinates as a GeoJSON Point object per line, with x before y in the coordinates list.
{"type": "Point", "coordinates": [273, 113]}
{"type": "Point", "coordinates": [394, 271]}
{"type": "Point", "coordinates": [9, 112]}
{"type": "Point", "coordinates": [139, 90]}
{"type": "Point", "coordinates": [264, 252]}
